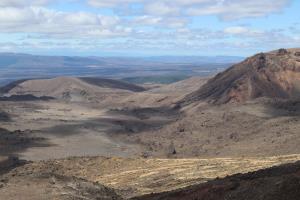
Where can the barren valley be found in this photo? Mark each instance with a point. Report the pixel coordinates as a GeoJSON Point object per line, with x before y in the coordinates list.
{"type": "Point", "coordinates": [95, 138]}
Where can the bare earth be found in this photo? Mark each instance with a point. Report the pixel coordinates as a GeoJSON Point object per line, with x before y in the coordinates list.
{"type": "Point", "coordinates": [128, 177]}
{"type": "Point", "coordinates": [101, 139]}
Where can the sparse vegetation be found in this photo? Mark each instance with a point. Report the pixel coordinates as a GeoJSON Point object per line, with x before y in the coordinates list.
{"type": "Point", "coordinates": [89, 138]}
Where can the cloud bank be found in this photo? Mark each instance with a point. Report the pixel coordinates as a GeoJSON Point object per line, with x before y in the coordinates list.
{"type": "Point", "coordinates": [140, 25]}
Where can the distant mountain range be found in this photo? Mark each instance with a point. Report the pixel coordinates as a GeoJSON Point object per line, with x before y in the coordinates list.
{"type": "Point", "coordinates": [196, 59]}
{"type": "Point", "coordinates": [22, 66]}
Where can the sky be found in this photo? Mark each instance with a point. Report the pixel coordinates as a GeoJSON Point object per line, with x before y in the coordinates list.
{"type": "Point", "coordinates": [148, 27]}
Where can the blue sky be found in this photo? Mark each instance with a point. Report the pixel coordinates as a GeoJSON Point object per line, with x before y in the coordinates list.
{"type": "Point", "coordinates": [148, 27]}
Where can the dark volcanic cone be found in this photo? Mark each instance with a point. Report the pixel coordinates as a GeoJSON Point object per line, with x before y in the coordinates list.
{"type": "Point", "coordinates": [275, 74]}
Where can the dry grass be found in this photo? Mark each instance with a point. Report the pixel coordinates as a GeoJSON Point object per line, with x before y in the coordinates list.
{"type": "Point", "coordinates": [133, 177]}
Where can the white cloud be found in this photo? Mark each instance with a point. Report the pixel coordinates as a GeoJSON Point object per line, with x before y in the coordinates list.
{"type": "Point", "coordinates": [236, 9]}
{"type": "Point", "coordinates": [147, 20]}
{"type": "Point", "coordinates": [81, 18]}
{"type": "Point", "coordinates": [161, 8]}
{"type": "Point", "coordinates": [58, 24]}
{"type": "Point", "coordinates": [22, 3]}
{"type": "Point", "coordinates": [166, 22]}
{"type": "Point", "coordinates": [16, 16]}
{"type": "Point", "coordinates": [111, 3]}
{"type": "Point", "coordinates": [243, 32]}
{"type": "Point", "coordinates": [116, 3]}
{"type": "Point", "coordinates": [236, 30]}
{"type": "Point", "coordinates": [142, 24]}
{"type": "Point", "coordinates": [224, 9]}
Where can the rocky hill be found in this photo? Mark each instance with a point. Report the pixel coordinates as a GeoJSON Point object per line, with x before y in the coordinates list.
{"type": "Point", "coordinates": [275, 74]}
{"type": "Point", "coordinates": [70, 88]}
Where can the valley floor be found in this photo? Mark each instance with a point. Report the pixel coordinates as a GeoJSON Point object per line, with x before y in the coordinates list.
{"type": "Point", "coordinates": [140, 143]}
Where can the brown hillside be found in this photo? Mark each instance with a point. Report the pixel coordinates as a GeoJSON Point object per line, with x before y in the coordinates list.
{"type": "Point", "coordinates": [275, 74]}
{"type": "Point", "coordinates": [73, 89]}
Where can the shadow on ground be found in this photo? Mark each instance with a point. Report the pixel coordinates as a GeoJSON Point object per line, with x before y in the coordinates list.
{"type": "Point", "coordinates": [277, 183]}
{"type": "Point", "coordinates": [290, 107]}
{"type": "Point", "coordinates": [4, 117]}
{"type": "Point", "coordinates": [26, 97]}
{"type": "Point", "coordinates": [9, 163]}
{"type": "Point", "coordinates": [11, 143]}
{"type": "Point", "coordinates": [120, 121]}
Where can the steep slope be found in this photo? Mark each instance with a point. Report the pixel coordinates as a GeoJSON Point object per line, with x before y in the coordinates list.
{"type": "Point", "coordinates": [277, 183]}
{"type": "Point", "coordinates": [8, 87]}
{"type": "Point", "coordinates": [275, 74]}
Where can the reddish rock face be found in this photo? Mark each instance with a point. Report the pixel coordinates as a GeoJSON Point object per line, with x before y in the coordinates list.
{"type": "Point", "coordinates": [275, 74]}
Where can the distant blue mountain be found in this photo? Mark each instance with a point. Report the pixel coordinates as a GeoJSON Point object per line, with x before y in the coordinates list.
{"type": "Point", "coordinates": [197, 59]}
{"type": "Point", "coordinates": [14, 66]}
